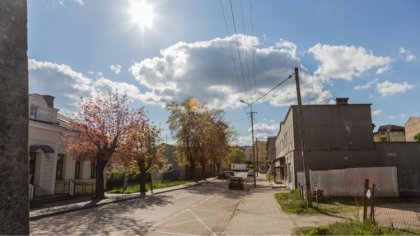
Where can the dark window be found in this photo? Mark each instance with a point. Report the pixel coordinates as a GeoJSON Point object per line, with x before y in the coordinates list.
{"type": "Point", "coordinates": [32, 112]}
{"type": "Point", "coordinates": [93, 170]}
{"type": "Point", "coordinates": [32, 161]}
{"type": "Point", "coordinates": [60, 164]}
{"type": "Point", "coordinates": [77, 170]}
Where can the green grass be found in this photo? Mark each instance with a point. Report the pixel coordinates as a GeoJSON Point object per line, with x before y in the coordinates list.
{"type": "Point", "coordinates": [135, 188]}
{"type": "Point", "coordinates": [353, 228]}
{"type": "Point", "coordinates": [291, 202]}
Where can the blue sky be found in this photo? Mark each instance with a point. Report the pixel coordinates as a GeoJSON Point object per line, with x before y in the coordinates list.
{"type": "Point", "coordinates": [365, 50]}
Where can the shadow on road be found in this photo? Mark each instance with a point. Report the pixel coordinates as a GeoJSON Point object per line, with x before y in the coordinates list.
{"type": "Point", "coordinates": [106, 220]}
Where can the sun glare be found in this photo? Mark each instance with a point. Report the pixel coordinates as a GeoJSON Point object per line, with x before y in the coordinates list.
{"type": "Point", "coordinates": [142, 14]}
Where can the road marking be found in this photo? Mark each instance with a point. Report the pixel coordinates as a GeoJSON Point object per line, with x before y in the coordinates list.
{"type": "Point", "coordinates": [190, 221]}
{"type": "Point", "coordinates": [163, 232]}
{"type": "Point", "coordinates": [170, 218]}
{"type": "Point", "coordinates": [201, 222]}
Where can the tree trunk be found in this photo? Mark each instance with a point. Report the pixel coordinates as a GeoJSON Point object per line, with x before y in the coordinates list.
{"type": "Point", "coordinates": [203, 171]}
{"type": "Point", "coordinates": [142, 167]}
{"type": "Point", "coordinates": [192, 170]}
{"type": "Point", "coordinates": [100, 190]}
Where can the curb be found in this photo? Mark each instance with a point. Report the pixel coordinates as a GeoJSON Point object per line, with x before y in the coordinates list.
{"type": "Point", "coordinates": [89, 206]}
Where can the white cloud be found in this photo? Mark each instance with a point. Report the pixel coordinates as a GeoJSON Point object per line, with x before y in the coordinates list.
{"type": "Point", "coordinates": [268, 129]}
{"type": "Point", "coordinates": [367, 85]}
{"type": "Point", "coordinates": [377, 112]}
{"type": "Point", "coordinates": [207, 71]}
{"type": "Point", "coordinates": [80, 2]}
{"type": "Point", "coordinates": [383, 69]}
{"type": "Point", "coordinates": [391, 117]}
{"type": "Point", "coordinates": [388, 88]}
{"type": "Point", "coordinates": [68, 85]}
{"type": "Point", "coordinates": [115, 68]}
{"type": "Point", "coordinates": [345, 62]}
{"type": "Point", "coordinates": [409, 56]}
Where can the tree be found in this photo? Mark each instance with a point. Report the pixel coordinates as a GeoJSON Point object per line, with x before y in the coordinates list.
{"type": "Point", "coordinates": [200, 132]}
{"type": "Point", "coordinates": [236, 155]}
{"type": "Point", "coordinates": [417, 138]}
{"type": "Point", "coordinates": [141, 148]}
{"type": "Point", "coordinates": [102, 122]}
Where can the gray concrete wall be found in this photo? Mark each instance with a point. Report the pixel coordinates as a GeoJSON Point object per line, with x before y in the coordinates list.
{"type": "Point", "coordinates": [337, 127]}
{"type": "Point", "coordinates": [406, 157]}
{"type": "Point", "coordinates": [14, 199]}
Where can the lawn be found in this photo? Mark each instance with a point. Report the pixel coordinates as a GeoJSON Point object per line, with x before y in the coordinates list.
{"type": "Point", "coordinates": [353, 228]}
{"type": "Point", "coordinates": [135, 188]}
{"type": "Point", "coordinates": [291, 202]}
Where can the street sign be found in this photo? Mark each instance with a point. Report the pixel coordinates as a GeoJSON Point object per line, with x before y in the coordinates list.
{"type": "Point", "coordinates": [368, 193]}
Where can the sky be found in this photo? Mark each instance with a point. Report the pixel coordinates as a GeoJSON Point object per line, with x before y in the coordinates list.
{"type": "Point", "coordinates": [224, 51]}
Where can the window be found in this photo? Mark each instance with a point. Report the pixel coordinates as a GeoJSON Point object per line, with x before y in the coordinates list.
{"type": "Point", "coordinates": [32, 161]}
{"type": "Point", "coordinates": [32, 112]}
{"type": "Point", "coordinates": [93, 170]}
{"type": "Point", "coordinates": [77, 170]}
{"type": "Point", "coordinates": [60, 162]}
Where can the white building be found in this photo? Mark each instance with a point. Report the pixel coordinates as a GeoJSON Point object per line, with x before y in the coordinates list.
{"type": "Point", "coordinates": [51, 169]}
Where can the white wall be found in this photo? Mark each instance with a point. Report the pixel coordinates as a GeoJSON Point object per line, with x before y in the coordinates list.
{"type": "Point", "coordinates": [350, 182]}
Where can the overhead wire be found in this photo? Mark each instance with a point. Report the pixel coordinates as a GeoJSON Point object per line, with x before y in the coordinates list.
{"type": "Point", "coordinates": [253, 51]}
{"type": "Point", "coordinates": [278, 85]}
{"type": "Point", "coordinates": [246, 46]}
{"type": "Point", "coordinates": [237, 45]}
{"type": "Point", "coordinates": [231, 49]}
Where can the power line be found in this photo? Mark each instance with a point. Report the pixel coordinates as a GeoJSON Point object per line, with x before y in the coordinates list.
{"type": "Point", "coordinates": [231, 49]}
{"type": "Point", "coordinates": [237, 45]}
{"type": "Point", "coordinates": [278, 85]}
{"type": "Point", "coordinates": [246, 46]}
{"type": "Point", "coordinates": [253, 51]}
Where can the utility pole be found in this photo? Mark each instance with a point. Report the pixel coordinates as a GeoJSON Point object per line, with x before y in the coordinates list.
{"type": "Point", "coordinates": [253, 149]}
{"type": "Point", "coordinates": [256, 146]}
{"type": "Point", "coordinates": [302, 141]}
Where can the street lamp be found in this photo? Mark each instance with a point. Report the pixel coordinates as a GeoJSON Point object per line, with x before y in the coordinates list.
{"type": "Point", "coordinates": [252, 131]}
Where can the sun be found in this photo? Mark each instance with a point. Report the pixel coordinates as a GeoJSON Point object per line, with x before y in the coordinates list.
{"type": "Point", "coordinates": [142, 14]}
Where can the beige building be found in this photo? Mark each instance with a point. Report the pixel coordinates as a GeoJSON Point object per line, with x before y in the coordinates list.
{"type": "Point", "coordinates": [51, 169]}
{"type": "Point", "coordinates": [261, 153]}
{"type": "Point", "coordinates": [389, 133]}
{"type": "Point", "coordinates": [412, 127]}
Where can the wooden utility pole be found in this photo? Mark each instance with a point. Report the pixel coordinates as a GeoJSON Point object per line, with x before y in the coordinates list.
{"type": "Point", "coordinates": [302, 142]}
{"type": "Point", "coordinates": [253, 149]}
{"type": "Point", "coordinates": [256, 147]}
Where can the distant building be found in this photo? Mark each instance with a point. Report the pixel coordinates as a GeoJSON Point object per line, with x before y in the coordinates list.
{"type": "Point", "coordinates": [412, 127]}
{"type": "Point", "coordinates": [261, 154]}
{"type": "Point", "coordinates": [50, 167]}
{"type": "Point", "coordinates": [248, 152]}
{"type": "Point", "coordinates": [389, 133]}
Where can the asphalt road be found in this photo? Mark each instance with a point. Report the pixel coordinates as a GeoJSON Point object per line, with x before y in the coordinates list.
{"type": "Point", "coordinates": [204, 210]}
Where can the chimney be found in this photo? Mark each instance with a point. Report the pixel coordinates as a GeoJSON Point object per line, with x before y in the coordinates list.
{"type": "Point", "coordinates": [50, 100]}
{"type": "Point", "coordinates": [342, 101]}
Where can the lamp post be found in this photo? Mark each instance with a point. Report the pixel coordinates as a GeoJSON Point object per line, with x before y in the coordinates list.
{"type": "Point", "coordinates": [252, 132]}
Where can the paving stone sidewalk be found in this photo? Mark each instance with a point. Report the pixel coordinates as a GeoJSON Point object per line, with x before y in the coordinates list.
{"type": "Point", "coordinates": [260, 214]}
{"type": "Point", "coordinates": [76, 204]}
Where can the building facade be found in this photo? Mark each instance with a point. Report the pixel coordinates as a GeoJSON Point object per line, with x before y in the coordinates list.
{"type": "Point", "coordinates": [412, 127]}
{"type": "Point", "coordinates": [340, 137]}
{"type": "Point", "coordinates": [50, 168]}
{"type": "Point", "coordinates": [261, 154]}
{"type": "Point", "coordinates": [389, 133]}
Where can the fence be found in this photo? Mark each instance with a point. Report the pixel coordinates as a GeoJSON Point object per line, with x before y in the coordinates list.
{"type": "Point", "coordinates": [348, 182]}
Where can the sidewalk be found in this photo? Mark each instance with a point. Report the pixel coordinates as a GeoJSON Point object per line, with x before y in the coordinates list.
{"type": "Point", "coordinates": [76, 204]}
{"type": "Point", "coordinates": [260, 214]}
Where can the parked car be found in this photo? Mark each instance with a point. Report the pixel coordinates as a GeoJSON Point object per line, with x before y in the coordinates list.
{"type": "Point", "coordinates": [231, 173]}
{"type": "Point", "coordinates": [236, 183]}
{"type": "Point", "coordinates": [223, 175]}
{"type": "Point", "coordinates": [250, 174]}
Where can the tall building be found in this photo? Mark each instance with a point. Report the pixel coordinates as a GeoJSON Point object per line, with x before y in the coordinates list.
{"type": "Point", "coordinates": [412, 127]}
